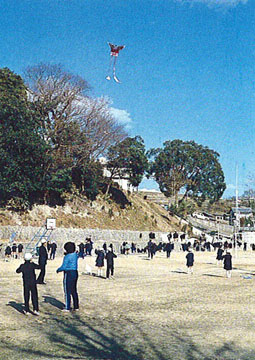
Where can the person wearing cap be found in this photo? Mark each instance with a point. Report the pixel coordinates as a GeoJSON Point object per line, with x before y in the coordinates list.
{"type": "Point", "coordinates": [70, 269]}
{"type": "Point", "coordinates": [29, 283]}
{"type": "Point", "coordinates": [43, 257]}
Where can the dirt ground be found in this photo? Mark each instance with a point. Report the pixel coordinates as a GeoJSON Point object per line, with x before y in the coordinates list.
{"type": "Point", "coordinates": [152, 310]}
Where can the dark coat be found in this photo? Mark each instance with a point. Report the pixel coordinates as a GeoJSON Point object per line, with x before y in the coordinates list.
{"type": "Point", "coordinates": [43, 255]}
{"type": "Point", "coordinates": [109, 258]}
{"type": "Point", "coordinates": [28, 272]}
{"type": "Point", "coordinates": [227, 260]}
{"type": "Point", "coordinates": [100, 258]}
{"type": "Point", "coordinates": [190, 259]}
{"type": "Point", "coordinates": [220, 254]}
{"type": "Point", "coordinates": [168, 247]}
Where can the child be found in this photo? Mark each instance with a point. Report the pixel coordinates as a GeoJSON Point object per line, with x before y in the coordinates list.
{"type": "Point", "coordinates": [29, 283]}
{"type": "Point", "coordinates": [109, 262]}
{"type": "Point", "coordinates": [190, 261]}
{"type": "Point", "coordinates": [227, 259]}
{"type": "Point", "coordinates": [219, 257]}
{"type": "Point", "coordinates": [100, 261]}
{"type": "Point", "coordinates": [70, 268]}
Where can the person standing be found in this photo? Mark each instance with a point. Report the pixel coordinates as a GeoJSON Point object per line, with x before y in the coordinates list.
{"type": "Point", "coordinates": [190, 261]}
{"type": "Point", "coordinates": [20, 250]}
{"type": "Point", "coordinates": [53, 250]}
{"type": "Point", "coordinates": [8, 252]}
{"type": "Point", "coordinates": [43, 257]}
{"type": "Point", "coordinates": [100, 261]}
{"type": "Point", "coordinates": [110, 263]}
{"type": "Point", "coordinates": [81, 250]}
{"type": "Point", "coordinates": [227, 261]}
{"type": "Point", "coordinates": [219, 256]}
{"type": "Point", "coordinates": [29, 283]}
{"type": "Point", "coordinates": [14, 251]}
{"type": "Point", "coordinates": [168, 249]}
{"type": "Point", "coordinates": [70, 269]}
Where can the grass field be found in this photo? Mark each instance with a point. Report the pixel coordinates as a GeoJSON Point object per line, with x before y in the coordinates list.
{"type": "Point", "coordinates": [152, 310]}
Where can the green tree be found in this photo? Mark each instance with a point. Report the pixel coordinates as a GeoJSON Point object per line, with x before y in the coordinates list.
{"type": "Point", "coordinates": [127, 159]}
{"type": "Point", "coordinates": [189, 168]}
{"type": "Point", "coordinates": [87, 178]}
{"type": "Point", "coordinates": [22, 148]}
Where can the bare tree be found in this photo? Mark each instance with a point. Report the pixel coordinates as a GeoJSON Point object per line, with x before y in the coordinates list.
{"type": "Point", "coordinates": [99, 126]}
{"type": "Point", "coordinates": [76, 126]}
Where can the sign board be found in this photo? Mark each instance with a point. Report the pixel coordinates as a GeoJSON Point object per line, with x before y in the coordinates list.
{"type": "Point", "coordinates": [50, 224]}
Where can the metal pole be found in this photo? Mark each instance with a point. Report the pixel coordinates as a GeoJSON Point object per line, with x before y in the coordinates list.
{"type": "Point", "coordinates": [237, 219]}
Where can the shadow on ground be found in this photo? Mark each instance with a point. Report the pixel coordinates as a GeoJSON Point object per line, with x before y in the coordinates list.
{"type": "Point", "coordinates": [54, 302]}
{"type": "Point", "coordinates": [72, 337]}
{"type": "Point", "coordinates": [17, 306]}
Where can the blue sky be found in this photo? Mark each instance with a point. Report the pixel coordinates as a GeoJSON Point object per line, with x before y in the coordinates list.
{"type": "Point", "coordinates": [187, 71]}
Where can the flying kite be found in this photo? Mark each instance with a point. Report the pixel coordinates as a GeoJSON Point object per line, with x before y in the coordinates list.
{"type": "Point", "coordinates": [115, 49]}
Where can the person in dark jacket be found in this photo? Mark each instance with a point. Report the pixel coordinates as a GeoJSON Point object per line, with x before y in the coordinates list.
{"type": "Point", "coordinates": [20, 250]}
{"type": "Point", "coordinates": [29, 283]}
{"type": "Point", "coordinates": [100, 261]}
{"type": "Point", "coordinates": [110, 263]}
{"type": "Point", "coordinates": [8, 252]}
{"type": "Point", "coordinates": [227, 263]}
{"type": "Point", "coordinates": [53, 250]}
{"type": "Point", "coordinates": [43, 257]}
{"type": "Point", "coordinates": [81, 250]}
{"type": "Point", "coordinates": [70, 269]}
{"type": "Point", "coordinates": [219, 256]}
{"type": "Point", "coordinates": [168, 249]}
{"type": "Point", "coordinates": [190, 261]}
{"type": "Point", "coordinates": [14, 251]}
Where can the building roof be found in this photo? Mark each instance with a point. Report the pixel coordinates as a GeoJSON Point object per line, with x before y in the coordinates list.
{"type": "Point", "coordinates": [241, 210]}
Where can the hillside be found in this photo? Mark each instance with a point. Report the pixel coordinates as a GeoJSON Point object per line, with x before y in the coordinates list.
{"type": "Point", "coordinates": [122, 211]}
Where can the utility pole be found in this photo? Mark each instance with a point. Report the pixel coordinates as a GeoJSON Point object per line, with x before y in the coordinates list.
{"type": "Point", "coordinates": [237, 219]}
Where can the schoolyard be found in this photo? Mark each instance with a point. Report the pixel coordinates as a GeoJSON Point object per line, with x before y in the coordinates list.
{"type": "Point", "coordinates": [152, 310]}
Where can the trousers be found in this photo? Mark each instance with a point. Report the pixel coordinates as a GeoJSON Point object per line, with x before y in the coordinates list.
{"type": "Point", "coordinates": [31, 288]}
{"type": "Point", "coordinates": [70, 288]}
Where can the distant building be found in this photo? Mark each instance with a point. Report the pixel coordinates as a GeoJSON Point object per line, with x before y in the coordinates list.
{"type": "Point", "coordinates": [244, 212]}
{"type": "Point", "coordinates": [122, 181]}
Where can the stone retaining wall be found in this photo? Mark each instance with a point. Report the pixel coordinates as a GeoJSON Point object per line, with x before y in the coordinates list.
{"type": "Point", "coordinates": [98, 236]}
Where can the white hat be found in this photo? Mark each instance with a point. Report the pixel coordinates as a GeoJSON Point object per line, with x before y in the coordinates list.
{"type": "Point", "coordinates": [28, 256]}
{"type": "Point", "coordinates": [43, 241]}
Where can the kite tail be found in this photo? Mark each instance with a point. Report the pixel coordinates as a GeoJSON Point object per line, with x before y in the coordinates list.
{"type": "Point", "coordinates": [108, 77]}
{"type": "Point", "coordinates": [114, 71]}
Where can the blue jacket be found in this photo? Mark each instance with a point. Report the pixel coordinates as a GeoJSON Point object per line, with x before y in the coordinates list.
{"type": "Point", "coordinates": [70, 262]}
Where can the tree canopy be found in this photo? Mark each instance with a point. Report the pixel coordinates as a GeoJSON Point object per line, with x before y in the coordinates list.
{"type": "Point", "coordinates": [188, 167]}
{"type": "Point", "coordinates": [128, 158]}
{"type": "Point", "coordinates": [22, 149]}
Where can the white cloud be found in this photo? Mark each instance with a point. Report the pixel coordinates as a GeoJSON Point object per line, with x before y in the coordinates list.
{"type": "Point", "coordinates": [122, 116]}
{"type": "Point", "coordinates": [216, 3]}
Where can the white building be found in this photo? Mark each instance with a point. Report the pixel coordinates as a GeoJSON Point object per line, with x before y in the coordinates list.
{"type": "Point", "coordinates": [123, 180]}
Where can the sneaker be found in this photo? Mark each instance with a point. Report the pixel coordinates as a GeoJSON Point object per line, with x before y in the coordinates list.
{"type": "Point", "coordinates": [36, 312]}
{"type": "Point", "coordinates": [26, 312]}
{"type": "Point", "coordinates": [65, 311]}
{"type": "Point", "coordinates": [76, 310]}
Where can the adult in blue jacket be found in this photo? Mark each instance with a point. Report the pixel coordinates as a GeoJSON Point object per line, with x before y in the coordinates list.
{"type": "Point", "coordinates": [70, 269]}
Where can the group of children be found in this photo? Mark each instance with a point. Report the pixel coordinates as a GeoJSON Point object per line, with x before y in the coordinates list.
{"type": "Point", "coordinates": [14, 250]}
{"type": "Point", "coordinates": [70, 269]}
